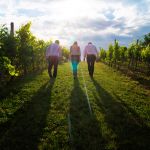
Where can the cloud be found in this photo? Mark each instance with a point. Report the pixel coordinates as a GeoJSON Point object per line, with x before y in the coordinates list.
{"type": "Point", "coordinates": [82, 20]}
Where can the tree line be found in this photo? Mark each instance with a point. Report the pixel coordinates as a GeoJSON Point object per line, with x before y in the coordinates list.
{"type": "Point", "coordinates": [136, 57]}
{"type": "Point", "coordinates": [22, 53]}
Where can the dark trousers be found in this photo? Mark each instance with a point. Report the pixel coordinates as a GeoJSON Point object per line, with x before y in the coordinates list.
{"type": "Point", "coordinates": [91, 61]}
{"type": "Point", "coordinates": [75, 61]}
{"type": "Point", "coordinates": [52, 61]}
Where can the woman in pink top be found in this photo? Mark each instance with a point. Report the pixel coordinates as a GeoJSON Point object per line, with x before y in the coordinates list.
{"type": "Point", "coordinates": [75, 57]}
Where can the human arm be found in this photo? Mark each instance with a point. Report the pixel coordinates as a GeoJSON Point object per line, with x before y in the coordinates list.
{"type": "Point", "coordinates": [96, 52]}
{"type": "Point", "coordinates": [60, 52]}
{"type": "Point", "coordinates": [70, 53]}
{"type": "Point", "coordinates": [79, 53]}
{"type": "Point", "coordinates": [47, 52]}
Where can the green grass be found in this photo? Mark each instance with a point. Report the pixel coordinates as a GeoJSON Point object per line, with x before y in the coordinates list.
{"type": "Point", "coordinates": [38, 113]}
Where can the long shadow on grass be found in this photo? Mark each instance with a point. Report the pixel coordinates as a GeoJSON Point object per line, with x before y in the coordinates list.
{"type": "Point", "coordinates": [25, 128]}
{"type": "Point", "coordinates": [16, 85]}
{"type": "Point", "coordinates": [132, 133]}
{"type": "Point", "coordinates": [85, 130]}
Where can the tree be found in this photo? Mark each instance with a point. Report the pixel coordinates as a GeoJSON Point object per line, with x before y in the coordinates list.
{"type": "Point", "coordinates": [25, 48]}
{"type": "Point", "coordinates": [65, 54]}
{"type": "Point", "coordinates": [137, 53]}
{"type": "Point", "coordinates": [3, 38]}
{"type": "Point", "coordinates": [146, 56]}
{"type": "Point", "coordinates": [7, 70]}
{"type": "Point", "coordinates": [146, 41]}
{"type": "Point", "coordinates": [102, 54]}
{"type": "Point", "coordinates": [109, 54]}
{"type": "Point", "coordinates": [116, 54]}
{"type": "Point", "coordinates": [130, 55]}
{"type": "Point", "coordinates": [123, 51]}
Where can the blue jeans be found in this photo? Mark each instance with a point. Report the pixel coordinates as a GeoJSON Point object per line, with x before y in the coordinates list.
{"type": "Point", "coordinates": [75, 61]}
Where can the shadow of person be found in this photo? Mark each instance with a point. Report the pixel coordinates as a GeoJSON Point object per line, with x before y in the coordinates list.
{"type": "Point", "coordinates": [132, 133]}
{"type": "Point", "coordinates": [14, 86]}
{"type": "Point", "coordinates": [25, 128]}
{"type": "Point", "coordinates": [85, 130]}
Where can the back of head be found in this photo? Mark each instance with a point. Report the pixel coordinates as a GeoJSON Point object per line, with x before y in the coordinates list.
{"type": "Point", "coordinates": [57, 41]}
{"type": "Point", "coordinates": [75, 46]}
{"type": "Point", "coordinates": [75, 43]}
{"type": "Point", "coordinates": [89, 43]}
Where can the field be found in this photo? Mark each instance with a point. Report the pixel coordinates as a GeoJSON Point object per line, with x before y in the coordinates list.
{"type": "Point", "coordinates": [109, 112]}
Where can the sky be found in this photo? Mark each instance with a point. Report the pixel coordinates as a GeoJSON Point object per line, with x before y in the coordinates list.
{"type": "Point", "coordinates": [98, 21]}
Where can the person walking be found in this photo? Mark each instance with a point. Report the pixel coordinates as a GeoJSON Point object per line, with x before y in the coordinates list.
{"type": "Point", "coordinates": [53, 53]}
{"type": "Point", "coordinates": [75, 55]}
{"type": "Point", "coordinates": [90, 53]}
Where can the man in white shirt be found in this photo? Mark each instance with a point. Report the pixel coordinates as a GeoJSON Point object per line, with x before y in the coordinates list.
{"type": "Point", "coordinates": [53, 53]}
{"type": "Point", "coordinates": [90, 53]}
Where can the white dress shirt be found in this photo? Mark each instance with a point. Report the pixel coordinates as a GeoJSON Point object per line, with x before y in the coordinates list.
{"type": "Point", "coordinates": [90, 49]}
{"type": "Point", "coordinates": [53, 50]}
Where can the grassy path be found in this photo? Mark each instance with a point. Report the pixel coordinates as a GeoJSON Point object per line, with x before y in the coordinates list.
{"type": "Point", "coordinates": [43, 114]}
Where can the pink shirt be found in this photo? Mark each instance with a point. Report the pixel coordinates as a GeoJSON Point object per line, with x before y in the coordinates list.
{"type": "Point", "coordinates": [90, 49]}
{"type": "Point", "coordinates": [53, 50]}
{"type": "Point", "coordinates": [75, 50]}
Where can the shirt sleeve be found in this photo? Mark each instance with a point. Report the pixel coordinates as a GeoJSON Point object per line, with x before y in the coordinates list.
{"type": "Point", "coordinates": [85, 52]}
{"type": "Point", "coordinates": [79, 51]}
{"type": "Point", "coordinates": [60, 51]}
{"type": "Point", "coordinates": [96, 51]}
{"type": "Point", "coordinates": [70, 50]}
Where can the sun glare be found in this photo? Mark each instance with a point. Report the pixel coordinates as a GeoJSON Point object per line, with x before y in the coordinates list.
{"type": "Point", "coordinates": [70, 9]}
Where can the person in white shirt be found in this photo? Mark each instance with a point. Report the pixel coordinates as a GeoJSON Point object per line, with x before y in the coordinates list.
{"type": "Point", "coordinates": [53, 53]}
{"type": "Point", "coordinates": [90, 53]}
{"type": "Point", "coordinates": [75, 54]}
